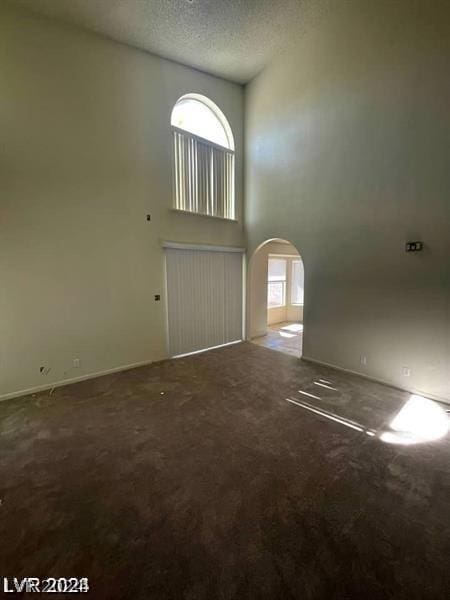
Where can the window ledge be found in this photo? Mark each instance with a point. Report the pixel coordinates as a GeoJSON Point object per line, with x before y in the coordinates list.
{"type": "Point", "coordinates": [196, 214]}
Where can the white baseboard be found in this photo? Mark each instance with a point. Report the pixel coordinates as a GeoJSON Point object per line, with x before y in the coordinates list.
{"type": "Point", "coordinates": [206, 349]}
{"type": "Point", "coordinates": [376, 380]}
{"type": "Point", "coordinates": [62, 382]}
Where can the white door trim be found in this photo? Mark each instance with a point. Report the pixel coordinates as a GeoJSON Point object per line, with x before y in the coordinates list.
{"type": "Point", "coordinates": [204, 247]}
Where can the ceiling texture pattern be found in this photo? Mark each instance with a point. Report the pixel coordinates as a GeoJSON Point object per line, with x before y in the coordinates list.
{"type": "Point", "coordinates": [233, 39]}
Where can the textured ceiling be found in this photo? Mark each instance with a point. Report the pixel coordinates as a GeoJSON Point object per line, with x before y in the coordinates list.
{"type": "Point", "coordinates": [231, 38]}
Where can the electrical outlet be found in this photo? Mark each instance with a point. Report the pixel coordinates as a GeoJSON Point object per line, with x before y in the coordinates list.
{"type": "Point", "coordinates": [414, 246]}
{"type": "Point", "coordinates": [76, 363]}
{"type": "Point", "coordinates": [363, 359]}
{"type": "Point", "coordinates": [406, 371]}
{"type": "Point", "coordinates": [44, 370]}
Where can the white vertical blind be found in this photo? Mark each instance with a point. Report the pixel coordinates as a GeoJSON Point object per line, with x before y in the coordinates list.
{"type": "Point", "coordinates": [297, 282]}
{"type": "Point", "coordinates": [204, 298]}
{"type": "Point", "coordinates": [276, 285]}
{"type": "Point", "coordinates": [203, 176]}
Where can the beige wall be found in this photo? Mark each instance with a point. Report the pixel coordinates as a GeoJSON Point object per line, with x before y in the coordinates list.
{"type": "Point", "coordinates": [347, 156]}
{"type": "Point", "coordinates": [257, 313]}
{"type": "Point", "coordinates": [294, 313]}
{"type": "Point", "coordinates": [348, 140]}
{"type": "Point", "coordinates": [85, 154]}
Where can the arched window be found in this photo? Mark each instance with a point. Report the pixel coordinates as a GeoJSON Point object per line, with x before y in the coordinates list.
{"type": "Point", "coordinates": [203, 158]}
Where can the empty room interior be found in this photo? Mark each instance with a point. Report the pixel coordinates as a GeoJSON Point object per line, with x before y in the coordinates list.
{"type": "Point", "coordinates": [225, 299]}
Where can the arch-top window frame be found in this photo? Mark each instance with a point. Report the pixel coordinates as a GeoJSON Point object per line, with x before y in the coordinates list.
{"type": "Point", "coordinates": [203, 168]}
{"type": "Point", "coordinates": [216, 112]}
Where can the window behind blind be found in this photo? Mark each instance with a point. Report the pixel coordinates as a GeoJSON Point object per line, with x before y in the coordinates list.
{"type": "Point", "coordinates": [203, 151]}
{"type": "Point", "coordinates": [297, 282]}
{"type": "Point", "coordinates": [276, 284]}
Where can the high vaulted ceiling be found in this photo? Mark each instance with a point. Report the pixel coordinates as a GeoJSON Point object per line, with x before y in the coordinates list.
{"type": "Point", "coordinates": [231, 38]}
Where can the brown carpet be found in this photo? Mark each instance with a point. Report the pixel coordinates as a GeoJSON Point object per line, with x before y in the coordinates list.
{"type": "Point", "coordinates": [195, 479]}
{"type": "Point", "coordinates": [280, 337]}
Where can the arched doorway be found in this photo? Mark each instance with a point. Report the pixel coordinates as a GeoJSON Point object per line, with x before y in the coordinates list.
{"type": "Point", "coordinates": [276, 297]}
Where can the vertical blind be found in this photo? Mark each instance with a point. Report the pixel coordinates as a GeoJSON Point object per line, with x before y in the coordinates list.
{"type": "Point", "coordinates": [203, 176]}
{"type": "Point", "coordinates": [276, 284]}
{"type": "Point", "coordinates": [297, 282]}
{"type": "Point", "coordinates": [204, 299]}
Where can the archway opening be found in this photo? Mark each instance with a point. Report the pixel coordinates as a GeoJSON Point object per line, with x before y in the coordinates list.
{"type": "Point", "coordinates": [276, 297]}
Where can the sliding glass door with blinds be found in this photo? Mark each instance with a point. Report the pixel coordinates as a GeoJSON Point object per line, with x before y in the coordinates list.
{"type": "Point", "coordinates": [204, 299]}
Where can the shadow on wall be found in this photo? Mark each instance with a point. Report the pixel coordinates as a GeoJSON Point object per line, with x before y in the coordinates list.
{"type": "Point", "coordinates": [276, 296]}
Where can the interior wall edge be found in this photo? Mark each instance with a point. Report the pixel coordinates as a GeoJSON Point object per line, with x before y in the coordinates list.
{"type": "Point", "coordinates": [87, 181]}
{"type": "Point", "coordinates": [64, 382]}
{"type": "Point", "coordinates": [345, 156]}
{"type": "Point", "coordinates": [378, 380]}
